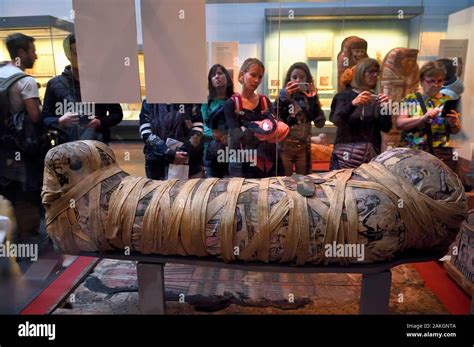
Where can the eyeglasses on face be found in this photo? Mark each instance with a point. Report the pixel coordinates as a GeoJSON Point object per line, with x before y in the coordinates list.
{"type": "Point", "coordinates": [372, 72]}
{"type": "Point", "coordinates": [432, 81]}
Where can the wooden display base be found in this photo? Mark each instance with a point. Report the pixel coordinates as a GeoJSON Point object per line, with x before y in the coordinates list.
{"type": "Point", "coordinates": [465, 284]}
{"type": "Point", "coordinates": [375, 286]}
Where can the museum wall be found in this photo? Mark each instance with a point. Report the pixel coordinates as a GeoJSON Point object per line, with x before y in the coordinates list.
{"type": "Point", "coordinates": [296, 40]}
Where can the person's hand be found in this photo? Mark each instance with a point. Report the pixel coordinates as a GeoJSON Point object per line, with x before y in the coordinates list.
{"type": "Point", "coordinates": [433, 113]}
{"type": "Point", "coordinates": [292, 87]}
{"type": "Point", "coordinates": [181, 158]}
{"type": "Point", "coordinates": [362, 99]}
{"type": "Point", "coordinates": [453, 119]}
{"type": "Point", "coordinates": [94, 123]}
{"type": "Point", "coordinates": [382, 98]}
{"type": "Point", "coordinates": [68, 120]}
{"type": "Point", "coordinates": [312, 90]}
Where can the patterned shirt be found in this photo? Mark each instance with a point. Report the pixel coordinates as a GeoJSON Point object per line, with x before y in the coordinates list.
{"type": "Point", "coordinates": [417, 137]}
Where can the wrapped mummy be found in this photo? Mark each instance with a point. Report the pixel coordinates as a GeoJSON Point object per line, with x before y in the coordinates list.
{"type": "Point", "coordinates": [403, 200]}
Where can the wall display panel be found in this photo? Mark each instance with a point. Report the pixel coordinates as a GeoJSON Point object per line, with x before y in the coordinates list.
{"type": "Point", "coordinates": [108, 61]}
{"type": "Point", "coordinates": [298, 41]}
{"type": "Point", "coordinates": [227, 55]}
{"type": "Point", "coordinates": [174, 46]}
{"type": "Point", "coordinates": [319, 46]}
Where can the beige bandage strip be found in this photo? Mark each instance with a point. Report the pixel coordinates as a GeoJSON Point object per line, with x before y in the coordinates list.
{"type": "Point", "coordinates": [152, 239]}
{"type": "Point", "coordinates": [337, 204]}
{"type": "Point", "coordinates": [278, 212]}
{"type": "Point", "coordinates": [194, 221]}
{"type": "Point", "coordinates": [79, 190]}
{"type": "Point", "coordinates": [352, 216]}
{"type": "Point", "coordinates": [290, 245]}
{"type": "Point", "coordinates": [130, 204]}
{"type": "Point", "coordinates": [217, 204]}
{"type": "Point", "coordinates": [181, 203]}
{"type": "Point", "coordinates": [121, 214]}
{"type": "Point", "coordinates": [228, 222]}
{"type": "Point", "coordinates": [263, 251]}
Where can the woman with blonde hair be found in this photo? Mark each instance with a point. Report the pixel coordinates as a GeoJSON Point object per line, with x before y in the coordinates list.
{"type": "Point", "coordinates": [241, 111]}
{"type": "Point", "coordinates": [358, 114]}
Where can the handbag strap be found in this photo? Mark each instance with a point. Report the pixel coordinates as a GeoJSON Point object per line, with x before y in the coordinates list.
{"type": "Point", "coordinates": [368, 143]}
{"type": "Point", "coordinates": [429, 132]}
{"type": "Point", "coordinates": [370, 134]}
{"type": "Point", "coordinates": [264, 103]}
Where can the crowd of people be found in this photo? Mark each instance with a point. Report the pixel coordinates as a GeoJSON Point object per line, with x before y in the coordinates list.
{"type": "Point", "coordinates": [211, 139]}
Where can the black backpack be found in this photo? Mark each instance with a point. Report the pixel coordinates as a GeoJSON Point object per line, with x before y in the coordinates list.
{"type": "Point", "coordinates": [17, 132]}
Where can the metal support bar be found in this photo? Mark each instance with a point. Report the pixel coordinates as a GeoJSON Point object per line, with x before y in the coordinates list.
{"type": "Point", "coordinates": [151, 287]}
{"type": "Point", "coordinates": [375, 293]}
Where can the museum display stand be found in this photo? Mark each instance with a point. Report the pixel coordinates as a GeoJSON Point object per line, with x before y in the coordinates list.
{"type": "Point", "coordinates": [374, 295]}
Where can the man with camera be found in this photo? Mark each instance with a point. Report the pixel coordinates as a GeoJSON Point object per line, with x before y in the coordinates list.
{"type": "Point", "coordinates": [65, 115]}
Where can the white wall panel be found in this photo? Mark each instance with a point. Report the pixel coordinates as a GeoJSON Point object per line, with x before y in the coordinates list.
{"type": "Point", "coordinates": [106, 41]}
{"type": "Point", "coordinates": [174, 47]}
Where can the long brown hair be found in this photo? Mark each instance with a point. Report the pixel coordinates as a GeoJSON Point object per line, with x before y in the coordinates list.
{"type": "Point", "coordinates": [301, 66]}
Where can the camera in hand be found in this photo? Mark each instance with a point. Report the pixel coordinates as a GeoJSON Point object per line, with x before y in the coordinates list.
{"type": "Point", "coordinates": [448, 107]}
{"type": "Point", "coordinates": [303, 86]}
{"type": "Point", "coordinates": [374, 97]}
{"type": "Point", "coordinates": [84, 119]}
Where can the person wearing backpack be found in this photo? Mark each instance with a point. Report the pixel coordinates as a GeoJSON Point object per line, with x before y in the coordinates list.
{"type": "Point", "coordinates": [63, 111]}
{"type": "Point", "coordinates": [298, 106]}
{"type": "Point", "coordinates": [220, 88]}
{"type": "Point", "coordinates": [252, 126]}
{"type": "Point", "coordinates": [22, 154]}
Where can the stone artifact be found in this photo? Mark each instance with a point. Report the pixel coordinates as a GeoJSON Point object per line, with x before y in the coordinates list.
{"type": "Point", "coordinates": [399, 77]}
{"type": "Point", "coordinates": [403, 200]}
{"type": "Point", "coordinates": [353, 49]}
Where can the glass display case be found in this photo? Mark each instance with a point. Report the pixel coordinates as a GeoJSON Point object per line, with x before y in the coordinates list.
{"type": "Point", "coordinates": [49, 33]}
